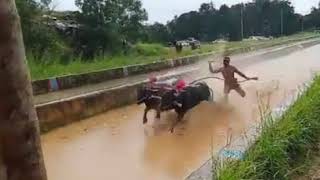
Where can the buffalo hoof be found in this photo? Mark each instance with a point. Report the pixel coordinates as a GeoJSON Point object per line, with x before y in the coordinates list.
{"type": "Point", "coordinates": [172, 130]}
{"type": "Point", "coordinates": [145, 121]}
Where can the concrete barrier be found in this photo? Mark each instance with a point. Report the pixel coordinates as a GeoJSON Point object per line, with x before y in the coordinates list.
{"type": "Point", "coordinates": [72, 81]}
{"type": "Point", "coordinates": [60, 113]}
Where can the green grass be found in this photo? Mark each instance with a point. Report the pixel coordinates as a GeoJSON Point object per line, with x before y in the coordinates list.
{"type": "Point", "coordinates": [283, 145]}
{"type": "Point", "coordinates": [141, 53]}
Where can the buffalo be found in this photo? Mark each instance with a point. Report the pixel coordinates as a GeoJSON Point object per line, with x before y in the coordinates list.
{"type": "Point", "coordinates": [169, 99]}
{"type": "Point", "coordinates": [152, 98]}
{"type": "Point", "coordinates": [190, 97]}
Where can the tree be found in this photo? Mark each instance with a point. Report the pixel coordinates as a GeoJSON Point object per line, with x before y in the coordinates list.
{"type": "Point", "coordinates": [158, 32]}
{"type": "Point", "coordinates": [19, 128]}
{"type": "Point", "coordinates": [206, 8]}
{"type": "Point", "coordinates": [46, 3]}
{"type": "Point", "coordinates": [209, 23]}
{"type": "Point", "coordinates": [107, 22]}
{"type": "Point", "coordinates": [29, 11]}
{"type": "Point", "coordinates": [260, 17]}
{"type": "Point", "coordinates": [186, 25]}
{"type": "Point", "coordinates": [39, 38]}
{"type": "Point", "coordinates": [312, 20]}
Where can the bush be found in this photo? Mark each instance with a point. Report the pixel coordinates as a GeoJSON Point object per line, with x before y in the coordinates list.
{"type": "Point", "coordinates": [149, 49]}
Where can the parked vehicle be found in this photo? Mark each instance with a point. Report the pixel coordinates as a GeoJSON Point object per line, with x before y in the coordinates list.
{"type": "Point", "coordinates": [195, 44]}
{"type": "Point", "coordinates": [184, 43]}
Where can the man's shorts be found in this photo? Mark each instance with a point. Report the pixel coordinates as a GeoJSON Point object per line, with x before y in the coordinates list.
{"type": "Point", "coordinates": [228, 88]}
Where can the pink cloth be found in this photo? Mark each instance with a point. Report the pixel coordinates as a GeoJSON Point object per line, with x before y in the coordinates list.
{"type": "Point", "coordinates": [181, 84]}
{"type": "Point", "coordinates": [153, 79]}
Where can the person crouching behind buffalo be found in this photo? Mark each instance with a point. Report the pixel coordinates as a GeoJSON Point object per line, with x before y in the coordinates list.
{"type": "Point", "coordinates": [169, 84]}
{"type": "Point", "coordinates": [230, 82]}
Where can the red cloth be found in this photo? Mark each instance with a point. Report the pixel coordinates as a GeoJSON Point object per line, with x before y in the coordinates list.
{"type": "Point", "coordinates": [153, 79]}
{"type": "Point", "coordinates": [181, 84]}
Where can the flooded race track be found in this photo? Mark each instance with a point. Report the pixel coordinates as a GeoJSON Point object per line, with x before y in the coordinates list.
{"type": "Point", "coordinates": [116, 146]}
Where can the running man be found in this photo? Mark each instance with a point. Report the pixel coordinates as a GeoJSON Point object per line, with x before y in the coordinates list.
{"type": "Point", "coordinates": [230, 82]}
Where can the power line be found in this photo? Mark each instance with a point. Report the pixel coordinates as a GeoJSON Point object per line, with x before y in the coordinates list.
{"type": "Point", "coordinates": [241, 21]}
{"type": "Point", "coordinates": [302, 24]}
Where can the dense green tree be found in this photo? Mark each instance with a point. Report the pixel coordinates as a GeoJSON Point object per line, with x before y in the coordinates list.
{"type": "Point", "coordinates": [107, 26]}
{"type": "Point", "coordinates": [260, 17]}
{"type": "Point", "coordinates": [313, 19]}
{"type": "Point", "coordinates": [29, 12]}
{"type": "Point", "coordinates": [209, 24]}
{"type": "Point", "coordinates": [107, 22]}
{"type": "Point", "coordinates": [39, 38]}
{"type": "Point", "coordinates": [158, 33]}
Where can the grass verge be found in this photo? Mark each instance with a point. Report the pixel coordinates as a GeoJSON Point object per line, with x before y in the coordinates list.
{"type": "Point", "coordinates": [311, 167]}
{"type": "Point", "coordinates": [141, 53]}
{"type": "Point", "coordinates": [283, 145]}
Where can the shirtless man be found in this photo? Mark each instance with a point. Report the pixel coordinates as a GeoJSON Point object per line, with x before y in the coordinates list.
{"type": "Point", "coordinates": [230, 82]}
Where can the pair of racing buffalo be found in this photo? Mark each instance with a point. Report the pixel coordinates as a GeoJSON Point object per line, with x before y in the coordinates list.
{"type": "Point", "coordinates": [164, 99]}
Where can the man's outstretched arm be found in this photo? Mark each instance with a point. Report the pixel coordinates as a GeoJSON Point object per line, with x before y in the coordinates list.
{"type": "Point", "coordinates": [241, 74]}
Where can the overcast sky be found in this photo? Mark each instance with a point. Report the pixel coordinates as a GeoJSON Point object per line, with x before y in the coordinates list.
{"type": "Point", "coordinates": [164, 10]}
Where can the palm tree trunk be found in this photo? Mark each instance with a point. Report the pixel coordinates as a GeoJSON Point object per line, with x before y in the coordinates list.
{"type": "Point", "coordinates": [20, 148]}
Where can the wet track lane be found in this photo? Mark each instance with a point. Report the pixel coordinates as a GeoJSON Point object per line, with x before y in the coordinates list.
{"type": "Point", "coordinates": [116, 146]}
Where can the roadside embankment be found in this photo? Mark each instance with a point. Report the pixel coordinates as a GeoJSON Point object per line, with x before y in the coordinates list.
{"type": "Point", "coordinates": [78, 80]}
{"type": "Point", "coordinates": [284, 143]}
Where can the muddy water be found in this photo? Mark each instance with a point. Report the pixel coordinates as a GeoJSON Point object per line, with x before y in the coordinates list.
{"type": "Point", "coordinates": [116, 145]}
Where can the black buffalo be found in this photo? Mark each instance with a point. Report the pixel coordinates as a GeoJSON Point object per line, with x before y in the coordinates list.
{"type": "Point", "coordinates": [168, 99]}
{"type": "Point", "coordinates": [152, 98]}
{"type": "Point", "coordinates": [190, 97]}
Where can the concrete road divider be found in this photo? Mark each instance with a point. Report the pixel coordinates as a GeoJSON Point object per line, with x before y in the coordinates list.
{"type": "Point", "coordinates": [72, 81]}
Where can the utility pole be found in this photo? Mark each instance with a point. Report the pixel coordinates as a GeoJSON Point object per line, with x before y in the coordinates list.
{"type": "Point", "coordinates": [241, 21]}
{"type": "Point", "coordinates": [281, 21]}
{"type": "Point", "coordinates": [302, 24]}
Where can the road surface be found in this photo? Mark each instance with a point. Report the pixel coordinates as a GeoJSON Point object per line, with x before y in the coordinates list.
{"type": "Point", "coordinates": [116, 146]}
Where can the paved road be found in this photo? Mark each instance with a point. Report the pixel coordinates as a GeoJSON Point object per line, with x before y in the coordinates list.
{"type": "Point", "coordinates": [115, 145]}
